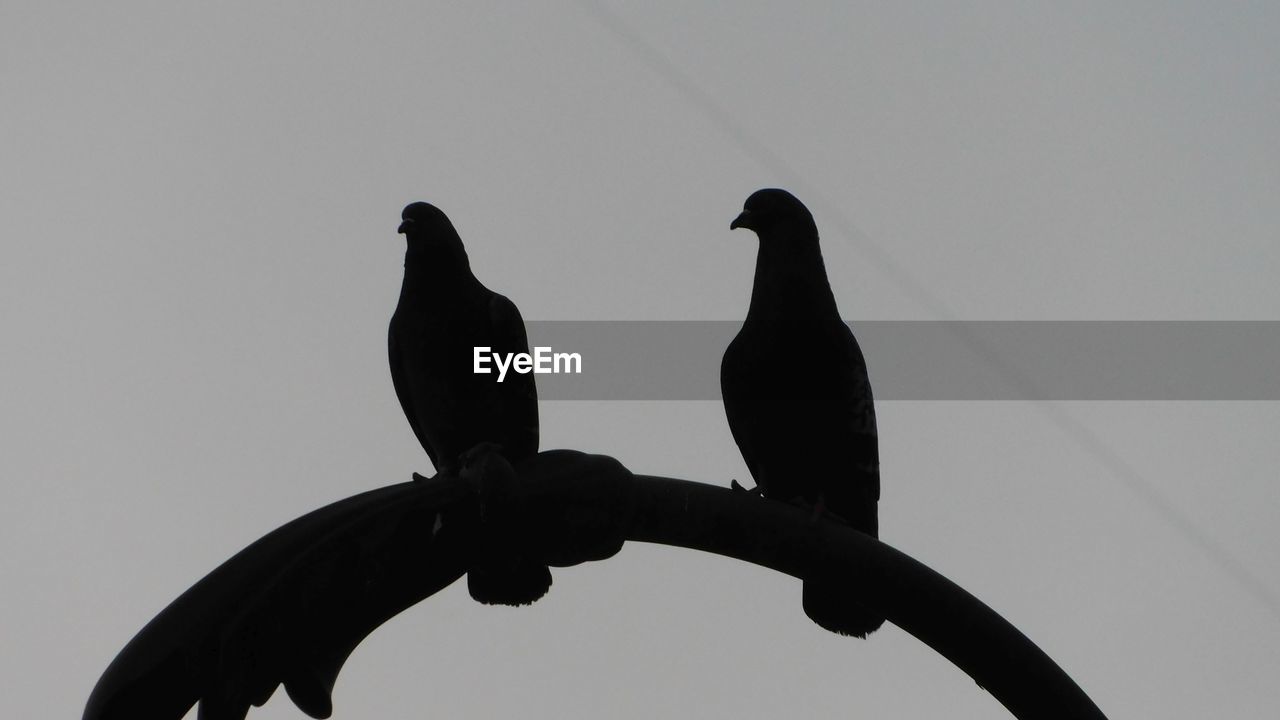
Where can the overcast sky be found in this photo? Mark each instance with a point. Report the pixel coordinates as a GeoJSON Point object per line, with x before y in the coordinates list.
{"type": "Point", "coordinates": [198, 210]}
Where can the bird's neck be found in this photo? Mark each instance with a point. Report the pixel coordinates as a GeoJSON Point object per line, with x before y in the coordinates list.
{"type": "Point", "coordinates": [440, 263]}
{"type": "Point", "coordinates": [790, 274]}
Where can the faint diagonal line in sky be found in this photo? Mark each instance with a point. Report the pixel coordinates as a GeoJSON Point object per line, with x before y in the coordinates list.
{"type": "Point", "coordinates": [761, 153]}
{"type": "Point", "coordinates": [1143, 488]}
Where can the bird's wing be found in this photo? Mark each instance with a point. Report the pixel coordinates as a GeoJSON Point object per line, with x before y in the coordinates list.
{"type": "Point", "coordinates": [796, 414]}
{"type": "Point", "coordinates": [851, 412]}
{"type": "Point", "coordinates": [519, 391]}
{"type": "Point", "coordinates": [737, 394]}
{"type": "Point", "coordinates": [846, 436]}
{"type": "Point", "coordinates": [289, 608]}
{"type": "Point", "coordinates": [400, 379]}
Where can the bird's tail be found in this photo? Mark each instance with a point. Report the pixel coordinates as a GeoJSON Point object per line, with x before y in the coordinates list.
{"type": "Point", "coordinates": [831, 601]}
{"type": "Point", "coordinates": [833, 605]}
{"type": "Point", "coordinates": [509, 581]}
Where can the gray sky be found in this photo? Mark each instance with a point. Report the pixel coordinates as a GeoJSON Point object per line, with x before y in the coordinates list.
{"type": "Point", "coordinates": [198, 212]}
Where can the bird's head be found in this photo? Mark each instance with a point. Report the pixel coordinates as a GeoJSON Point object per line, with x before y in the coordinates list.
{"type": "Point", "coordinates": [771, 210]}
{"type": "Point", "coordinates": [424, 220]}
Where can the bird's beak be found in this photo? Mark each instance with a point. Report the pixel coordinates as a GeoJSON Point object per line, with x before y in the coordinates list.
{"type": "Point", "coordinates": [404, 227]}
{"type": "Point", "coordinates": [742, 221]}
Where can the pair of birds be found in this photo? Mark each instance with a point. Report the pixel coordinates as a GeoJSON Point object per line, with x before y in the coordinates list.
{"type": "Point", "coordinates": [794, 384]}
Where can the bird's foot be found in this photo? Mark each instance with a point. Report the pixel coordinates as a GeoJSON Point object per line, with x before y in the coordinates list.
{"type": "Point", "coordinates": [420, 478]}
{"type": "Point", "coordinates": [477, 453]}
{"type": "Point", "coordinates": [817, 510]}
{"type": "Point", "coordinates": [737, 487]}
{"type": "Point", "coordinates": [490, 476]}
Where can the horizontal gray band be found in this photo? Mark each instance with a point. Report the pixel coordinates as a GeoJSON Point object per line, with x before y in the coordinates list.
{"type": "Point", "coordinates": [928, 360]}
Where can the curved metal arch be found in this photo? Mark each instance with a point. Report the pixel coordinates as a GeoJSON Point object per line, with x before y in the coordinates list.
{"type": "Point", "coordinates": [290, 608]}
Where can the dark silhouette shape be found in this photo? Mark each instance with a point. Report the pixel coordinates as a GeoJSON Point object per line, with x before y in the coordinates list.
{"type": "Point", "coordinates": [798, 399]}
{"type": "Point", "coordinates": [292, 606]}
{"type": "Point", "coordinates": [504, 571]}
{"type": "Point", "coordinates": [287, 609]}
{"type": "Point", "coordinates": [444, 314]}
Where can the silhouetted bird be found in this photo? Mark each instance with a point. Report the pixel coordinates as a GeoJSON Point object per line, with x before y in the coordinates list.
{"type": "Point", "coordinates": [797, 396]}
{"type": "Point", "coordinates": [444, 314]}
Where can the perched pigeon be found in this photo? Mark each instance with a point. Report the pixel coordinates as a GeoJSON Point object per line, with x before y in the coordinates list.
{"type": "Point", "coordinates": [444, 314]}
{"type": "Point", "coordinates": [797, 396]}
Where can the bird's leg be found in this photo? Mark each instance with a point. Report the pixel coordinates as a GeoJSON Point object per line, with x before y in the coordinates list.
{"type": "Point", "coordinates": [816, 510]}
{"type": "Point", "coordinates": [737, 487]}
{"type": "Point", "coordinates": [819, 508]}
{"type": "Point", "coordinates": [820, 511]}
{"type": "Point", "coordinates": [489, 474]}
{"type": "Point", "coordinates": [441, 470]}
